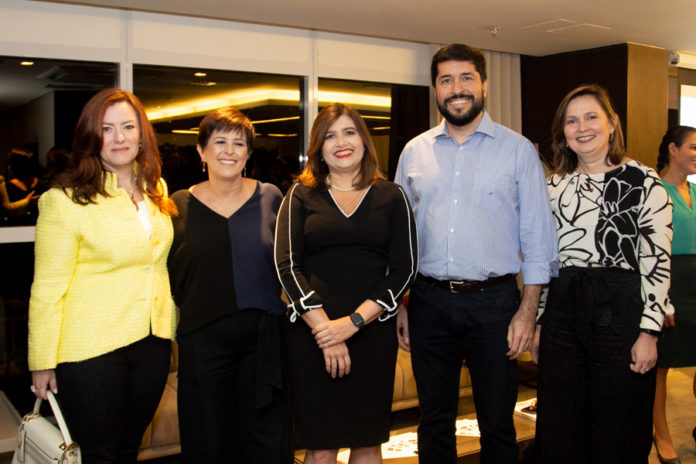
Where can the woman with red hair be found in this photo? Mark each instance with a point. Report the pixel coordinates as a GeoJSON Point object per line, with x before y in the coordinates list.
{"type": "Point", "coordinates": [101, 315]}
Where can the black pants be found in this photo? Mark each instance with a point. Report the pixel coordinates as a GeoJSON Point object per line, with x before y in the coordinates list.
{"type": "Point", "coordinates": [447, 329]}
{"type": "Point", "coordinates": [219, 420]}
{"type": "Point", "coordinates": [592, 407]}
{"type": "Point", "coordinates": [108, 401]}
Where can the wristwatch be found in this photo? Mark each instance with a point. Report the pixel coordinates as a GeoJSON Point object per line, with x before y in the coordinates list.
{"type": "Point", "coordinates": [657, 333]}
{"type": "Point", "coordinates": [357, 320]}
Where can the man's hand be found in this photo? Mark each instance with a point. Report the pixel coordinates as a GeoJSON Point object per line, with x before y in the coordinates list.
{"type": "Point", "coordinates": [520, 332]}
{"type": "Point", "coordinates": [522, 326]}
{"type": "Point", "coordinates": [535, 345]}
{"type": "Point", "coordinates": [402, 328]}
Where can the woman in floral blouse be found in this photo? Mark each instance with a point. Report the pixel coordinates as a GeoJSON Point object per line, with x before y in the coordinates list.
{"type": "Point", "coordinates": [602, 316]}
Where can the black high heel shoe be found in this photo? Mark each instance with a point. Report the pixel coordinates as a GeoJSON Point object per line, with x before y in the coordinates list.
{"type": "Point", "coordinates": [670, 460]}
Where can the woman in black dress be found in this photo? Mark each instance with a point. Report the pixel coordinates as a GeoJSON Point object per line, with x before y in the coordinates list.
{"type": "Point", "coordinates": [231, 404]}
{"type": "Point", "coordinates": [346, 251]}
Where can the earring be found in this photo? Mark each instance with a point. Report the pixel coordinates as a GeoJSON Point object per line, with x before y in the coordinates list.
{"type": "Point", "coordinates": [244, 172]}
{"type": "Point", "coordinates": [611, 137]}
{"type": "Point", "coordinates": [140, 144]}
{"type": "Point", "coordinates": [203, 165]}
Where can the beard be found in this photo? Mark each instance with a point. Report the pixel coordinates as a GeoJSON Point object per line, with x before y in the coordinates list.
{"type": "Point", "coordinates": [461, 118]}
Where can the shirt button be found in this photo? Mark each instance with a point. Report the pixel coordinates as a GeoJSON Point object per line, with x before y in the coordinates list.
{"type": "Point", "coordinates": [455, 201]}
{"type": "Point", "coordinates": [456, 173]}
{"type": "Point", "coordinates": [452, 230]}
{"type": "Point", "coordinates": [451, 260]}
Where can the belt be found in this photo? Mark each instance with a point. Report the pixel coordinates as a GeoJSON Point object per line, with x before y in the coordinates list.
{"type": "Point", "coordinates": [465, 286]}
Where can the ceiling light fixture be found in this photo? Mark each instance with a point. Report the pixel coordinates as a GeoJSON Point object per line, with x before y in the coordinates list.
{"type": "Point", "coordinates": [494, 30]}
{"type": "Point", "coordinates": [263, 121]}
{"type": "Point", "coordinates": [259, 96]}
{"type": "Point", "coordinates": [200, 74]}
{"type": "Point", "coordinates": [26, 63]}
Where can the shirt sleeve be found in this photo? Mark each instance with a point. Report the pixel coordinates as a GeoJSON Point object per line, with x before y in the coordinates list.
{"type": "Point", "coordinates": [538, 238]}
{"type": "Point", "coordinates": [56, 251]}
{"type": "Point", "coordinates": [403, 257]}
{"type": "Point", "coordinates": [289, 249]}
{"type": "Point", "coordinates": [400, 175]}
{"type": "Point", "coordinates": [654, 252]}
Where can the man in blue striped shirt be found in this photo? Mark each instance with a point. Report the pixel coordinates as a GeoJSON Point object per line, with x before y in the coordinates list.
{"type": "Point", "coordinates": [483, 215]}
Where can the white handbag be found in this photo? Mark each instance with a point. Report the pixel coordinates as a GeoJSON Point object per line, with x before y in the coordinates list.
{"type": "Point", "coordinates": [39, 441]}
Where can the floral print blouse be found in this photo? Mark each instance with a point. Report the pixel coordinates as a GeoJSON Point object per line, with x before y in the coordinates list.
{"type": "Point", "coordinates": [621, 218]}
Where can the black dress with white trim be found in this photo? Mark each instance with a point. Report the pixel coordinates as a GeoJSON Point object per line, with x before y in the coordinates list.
{"type": "Point", "coordinates": [335, 261]}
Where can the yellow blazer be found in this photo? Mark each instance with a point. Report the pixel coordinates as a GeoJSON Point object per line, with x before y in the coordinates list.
{"type": "Point", "coordinates": [100, 283]}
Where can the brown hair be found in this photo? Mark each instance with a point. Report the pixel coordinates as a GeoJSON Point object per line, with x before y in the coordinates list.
{"type": "Point", "coordinates": [87, 175]}
{"type": "Point", "coordinates": [458, 52]}
{"type": "Point", "coordinates": [226, 120]}
{"type": "Point", "coordinates": [565, 160]}
{"type": "Point", "coordinates": [316, 170]}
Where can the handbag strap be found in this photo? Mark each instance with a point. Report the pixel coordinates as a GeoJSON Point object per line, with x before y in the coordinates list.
{"type": "Point", "coordinates": [62, 426]}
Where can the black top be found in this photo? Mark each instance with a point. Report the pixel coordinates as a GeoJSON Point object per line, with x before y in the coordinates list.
{"type": "Point", "coordinates": [375, 245]}
{"type": "Point", "coordinates": [220, 265]}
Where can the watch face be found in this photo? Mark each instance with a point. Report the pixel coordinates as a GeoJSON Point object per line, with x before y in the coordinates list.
{"type": "Point", "coordinates": [358, 320]}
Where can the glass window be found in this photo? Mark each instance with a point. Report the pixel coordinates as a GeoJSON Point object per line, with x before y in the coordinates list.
{"type": "Point", "coordinates": [40, 103]}
{"type": "Point", "coordinates": [176, 99]}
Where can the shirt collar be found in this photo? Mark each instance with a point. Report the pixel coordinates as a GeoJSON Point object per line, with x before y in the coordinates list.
{"type": "Point", "coordinates": [486, 126]}
{"type": "Point", "coordinates": [111, 183]}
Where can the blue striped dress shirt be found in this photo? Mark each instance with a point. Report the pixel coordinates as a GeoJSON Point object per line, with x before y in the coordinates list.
{"type": "Point", "coordinates": [481, 207]}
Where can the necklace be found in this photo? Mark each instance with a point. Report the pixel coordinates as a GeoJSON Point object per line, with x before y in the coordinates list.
{"type": "Point", "coordinates": [340, 189]}
{"type": "Point", "coordinates": [131, 191]}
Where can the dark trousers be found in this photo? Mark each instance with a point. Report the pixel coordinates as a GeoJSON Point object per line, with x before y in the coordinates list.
{"type": "Point", "coordinates": [108, 401]}
{"type": "Point", "coordinates": [447, 329]}
{"type": "Point", "coordinates": [219, 420]}
{"type": "Point", "coordinates": [591, 407]}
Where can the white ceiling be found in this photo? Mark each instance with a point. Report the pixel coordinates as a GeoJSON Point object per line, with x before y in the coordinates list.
{"type": "Point", "coordinates": [533, 27]}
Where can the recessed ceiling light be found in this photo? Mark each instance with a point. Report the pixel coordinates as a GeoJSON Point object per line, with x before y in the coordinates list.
{"type": "Point", "coordinates": [26, 63]}
{"type": "Point", "coordinates": [200, 74]}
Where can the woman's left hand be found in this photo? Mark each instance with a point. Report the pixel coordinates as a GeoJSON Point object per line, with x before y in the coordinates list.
{"type": "Point", "coordinates": [333, 332]}
{"type": "Point", "coordinates": [644, 353]}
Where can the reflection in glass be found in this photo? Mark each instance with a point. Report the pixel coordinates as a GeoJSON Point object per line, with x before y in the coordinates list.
{"type": "Point", "coordinates": [176, 99]}
{"type": "Point", "coordinates": [40, 103]}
